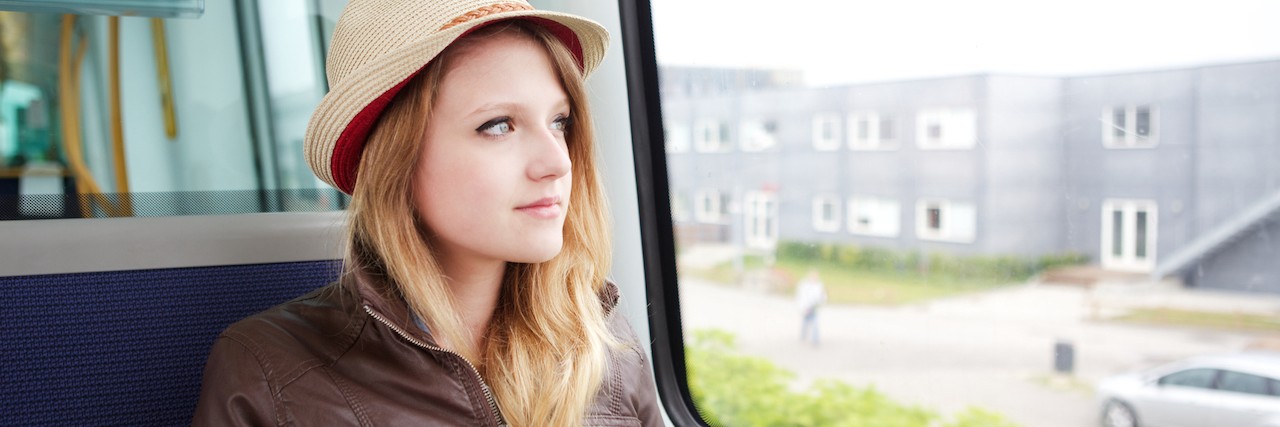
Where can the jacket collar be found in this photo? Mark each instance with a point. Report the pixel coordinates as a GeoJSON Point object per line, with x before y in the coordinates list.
{"type": "Point", "coordinates": [376, 292]}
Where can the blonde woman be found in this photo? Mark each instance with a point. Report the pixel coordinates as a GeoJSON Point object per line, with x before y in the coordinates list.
{"type": "Point", "coordinates": [474, 290]}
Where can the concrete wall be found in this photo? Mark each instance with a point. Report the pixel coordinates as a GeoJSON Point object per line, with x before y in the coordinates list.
{"type": "Point", "coordinates": [1022, 211]}
{"type": "Point", "coordinates": [1161, 173]}
{"type": "Point", "coordinates": [1248, 264]}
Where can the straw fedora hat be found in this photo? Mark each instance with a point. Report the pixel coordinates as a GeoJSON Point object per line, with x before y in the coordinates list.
{"type": "Point", "coordinates": [378, 45]}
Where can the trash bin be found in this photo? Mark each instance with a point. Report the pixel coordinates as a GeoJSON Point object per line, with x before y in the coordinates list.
{"type": "Point", "coordinates": [1064, 357]}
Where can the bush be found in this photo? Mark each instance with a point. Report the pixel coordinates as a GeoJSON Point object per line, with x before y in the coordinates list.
{"type": "Point", "coordinates": [736, 390]}
{"type": "Point", "coordinates": [946, 267]}
{"type": "Point", "coordinates": [978, 417]}
{"type": "Point", "coordinates": [798, 250]}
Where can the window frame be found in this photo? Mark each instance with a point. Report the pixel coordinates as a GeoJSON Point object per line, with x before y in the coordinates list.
{"type": "Point", "coordinates": [653, 200]}
{"type": "Point", "coordinates": [825, 225]}
{"type": "Point", "coordinates": [717, 204]}
{"type": "Point", "coordinates": [754, 135]}
{"type": "Point", "coordinates": [963, 121]}
{"type": "Point", "coordinates": [820, 141]}
{"type": "Point", "coordinates": [874, 202]}
{"type": "Point", "coordinates": [943, 233]}
{"type": "Point", "coordinates": [1131, 139]}
{"type": "Point", "coordinates": [703, 143]}
{"type": "Point", "coordinates": [875, 140]}
{"type": "Point", "coordinates": [677, 138]}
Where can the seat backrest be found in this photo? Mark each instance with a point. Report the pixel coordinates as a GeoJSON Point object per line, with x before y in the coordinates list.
{"type": "Point", "coordinates": [128, 347]}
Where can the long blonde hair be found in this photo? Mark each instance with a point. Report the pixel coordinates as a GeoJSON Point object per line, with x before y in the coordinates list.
{"type": "Point", "coordinates": [547, 342]}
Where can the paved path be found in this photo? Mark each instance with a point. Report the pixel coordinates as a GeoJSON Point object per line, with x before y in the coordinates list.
{"type": "Point", "coordinates": [993, 350]}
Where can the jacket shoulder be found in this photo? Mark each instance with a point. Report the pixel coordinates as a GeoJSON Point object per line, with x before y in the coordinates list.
{"type": "Point", "coordinates": [632, 378]}
{"type": "Point", "coordinates": [312, 330]}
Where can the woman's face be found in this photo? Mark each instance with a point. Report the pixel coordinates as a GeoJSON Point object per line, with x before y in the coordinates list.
{"type": "Point", "coordinates": [494, 178]}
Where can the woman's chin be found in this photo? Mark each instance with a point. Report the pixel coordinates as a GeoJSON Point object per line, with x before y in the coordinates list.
{"type": "Point", "coordinates": [534, 254]}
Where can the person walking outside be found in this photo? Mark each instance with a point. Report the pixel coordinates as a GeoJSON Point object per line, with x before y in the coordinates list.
{"type": "Point", "coordinates": [810, 294]}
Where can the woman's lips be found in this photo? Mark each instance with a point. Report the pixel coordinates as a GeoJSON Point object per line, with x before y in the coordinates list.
{"type": "Point", "coordinates": [544, 208]}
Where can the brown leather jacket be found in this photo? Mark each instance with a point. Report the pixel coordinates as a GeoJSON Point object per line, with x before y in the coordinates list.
{"type": "Point", "coordinates": [346, 355]}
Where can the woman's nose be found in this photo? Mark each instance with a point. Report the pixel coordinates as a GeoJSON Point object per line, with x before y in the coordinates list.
{"type": "Point", "coordinates": [550, 156]}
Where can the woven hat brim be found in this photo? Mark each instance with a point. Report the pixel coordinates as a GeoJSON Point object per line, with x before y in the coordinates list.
{"type": "Point", "coordinates": [373, 83]}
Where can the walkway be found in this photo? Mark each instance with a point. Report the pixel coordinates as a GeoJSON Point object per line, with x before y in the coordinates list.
{"type": "Point", "coordinates": [993, 350]}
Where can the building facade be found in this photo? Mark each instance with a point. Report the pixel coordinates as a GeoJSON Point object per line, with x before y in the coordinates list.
{"type": "Point", "coordinates": [1129, 169]}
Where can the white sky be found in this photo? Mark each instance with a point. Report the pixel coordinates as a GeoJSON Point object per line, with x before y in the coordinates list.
{"type": "Point", "coordinates": [842, 41]}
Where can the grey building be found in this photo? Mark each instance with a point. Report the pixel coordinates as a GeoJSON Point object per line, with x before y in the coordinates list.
{"type": "Point", "coordinates": [1169, 172]}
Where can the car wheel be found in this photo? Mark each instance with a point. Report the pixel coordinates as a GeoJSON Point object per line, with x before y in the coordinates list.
{"type": "Point", "coordinates": [1118, 414]}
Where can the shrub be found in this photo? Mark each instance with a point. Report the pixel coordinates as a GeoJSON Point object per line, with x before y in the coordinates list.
{"type": "Point", "coordinates": [978, 417]}
{"type": "Point", "coordinates": [1004, 268]}
{"type": "Point", "coordinates": [731, 389]}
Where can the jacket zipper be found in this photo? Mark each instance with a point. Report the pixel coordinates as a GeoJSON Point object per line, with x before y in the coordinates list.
{"type": "Point", "coordinates": [488, 395]}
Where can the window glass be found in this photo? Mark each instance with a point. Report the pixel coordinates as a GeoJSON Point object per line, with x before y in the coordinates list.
{"type": "Point", "coordinates": [826, 132]}
{"type": "Point", "coordinates": [873, 216]}
{"type": "Point", "coordinates": [677, 138]}
{"type": "Point", "coordinates": [758, 135]}
{"type": "Point", "coordinates": [826, 213]}
{"type": "Point", "coordinates": [1197, 378]}
{"type": "Point", "coordinates": [209, 118]}
{"type": "Point", "coordinates": [1025, 209]}
{"type": "Point", "coordinates": [1243, 383]}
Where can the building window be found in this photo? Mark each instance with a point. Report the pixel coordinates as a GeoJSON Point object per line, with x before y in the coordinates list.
{"type": "Point", "coordinates": [874, 216]}
{"type": "Point", "coordinates": [944, 220]}
{"type": "Point", "coordinates": [760, 213]}
{"type": "Point", "coordinates": [942, 129]}
{"type": "Point", "coordinates": [1129, 234]}
{"type": "Point", "coordinates": [711, 136]}
{"type": "Point", "coordinates": [679, 207]}
{"type": "Point", "coordinates": [712, 207]}
{"type": "Point", "coordinates": [826, 213]}
{"type": "Point", "coordinates": [758, 135]}
{"type": "Point", "coordinates": [677, 138]}
{"type": "Point", "coordinates": [1130, 126]}
{"type": "Point", "coordinates": [826, 132]}
{"type": "Point", "coordinates": [871, 131]}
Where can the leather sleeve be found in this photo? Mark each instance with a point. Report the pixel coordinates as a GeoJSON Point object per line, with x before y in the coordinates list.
{"type": "Point", "coordinates": [235, 390]}
{"type": "Point", "coordinates": [641, 392]}
{"type": "Point", "coordinates": [645, 396]}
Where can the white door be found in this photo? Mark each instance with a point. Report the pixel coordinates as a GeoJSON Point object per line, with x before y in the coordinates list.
{"type": "Point", "coordinates": [1129, 234]}
{"type": "Point", "coordinates": [760, 212]}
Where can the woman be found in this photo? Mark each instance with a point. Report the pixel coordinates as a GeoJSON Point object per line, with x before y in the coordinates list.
{"type": "Point", "coordinates": [474, 291]}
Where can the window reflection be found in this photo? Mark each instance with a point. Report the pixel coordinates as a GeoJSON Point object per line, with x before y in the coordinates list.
{"type": "Point", "coordinates": [202, 123]}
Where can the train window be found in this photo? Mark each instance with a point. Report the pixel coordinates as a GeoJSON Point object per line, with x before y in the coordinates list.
{"type": "Point", "coordinates": [1027, 207]}
{"type": "Point", "coordinates": [199, 110]}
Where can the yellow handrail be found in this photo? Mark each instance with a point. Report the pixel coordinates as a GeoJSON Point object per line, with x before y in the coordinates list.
{"type": "Point", "coordinates": [69, 104]}
{"type": "Point", "coordinates": [159, 40]}
{"type": "Point", "coordinates": [125, 207]}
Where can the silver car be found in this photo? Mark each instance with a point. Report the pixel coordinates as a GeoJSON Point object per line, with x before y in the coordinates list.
{"type": "Point", "coordinates": [1232, 390]}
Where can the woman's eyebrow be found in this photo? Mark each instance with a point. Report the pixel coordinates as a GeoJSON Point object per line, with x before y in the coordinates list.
{"type": "Point", "coordinates": [495, 106]}
{"type": "Point", "coordinates": [561, 103]}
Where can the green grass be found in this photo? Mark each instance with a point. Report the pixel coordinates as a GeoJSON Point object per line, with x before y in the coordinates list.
{"type": "Point", "coordinates": [1203, 319]}
{"type": "Point", "coordinates": [853, 285]}
{"type": "Point", "coordinates": [1060, 382]}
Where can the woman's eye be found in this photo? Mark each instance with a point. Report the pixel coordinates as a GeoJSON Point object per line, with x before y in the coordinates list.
{"type": "Point", "coordinates": [561, 123]}
{"type": "Point", "coordinates": [496, 127]}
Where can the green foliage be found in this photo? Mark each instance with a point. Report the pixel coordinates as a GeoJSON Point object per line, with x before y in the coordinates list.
{"type": "Point", "coordinates": [731, 389]}
{"type": "Point", "coordinates": [993, 269]}
{"type": "Point", "coordinates": [978, 417]}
